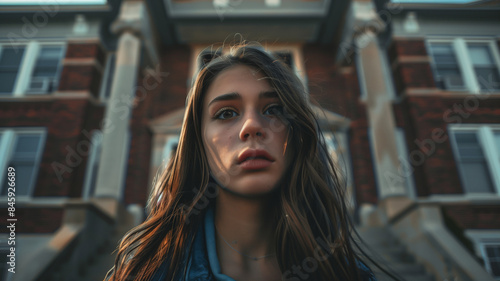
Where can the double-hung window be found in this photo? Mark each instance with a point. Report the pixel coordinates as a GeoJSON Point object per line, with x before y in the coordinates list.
{"type": "Point", "coordinates": [477, 154]}
{"type": "Point", "coordinates": [465, 64]}
{"type": "Point", "coordinates": [32, 68]}
{"type": "Point", "coordinates": [491, 256]}
{"type": "Point", "coordinates": [21, 149]}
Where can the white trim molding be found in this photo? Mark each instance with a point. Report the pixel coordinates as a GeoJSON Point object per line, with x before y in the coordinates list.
{"type": "Point", "coordinates": [8, 138]}
{"type": "Point", "coordinates": [485, 136]}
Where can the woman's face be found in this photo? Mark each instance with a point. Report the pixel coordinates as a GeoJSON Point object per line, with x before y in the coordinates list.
{"type": "Point", "coordinates": [243, 136]}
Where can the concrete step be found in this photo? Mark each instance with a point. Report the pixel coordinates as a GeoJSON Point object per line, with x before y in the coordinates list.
{"type": "Point", "coordinates": [97, 267]}
{"type": "Point", "coordinates": [387, 251]}
{"type": "Point", "coordinates": [104, 260]}
{"type": "Point", "coordinates": [392, 254]}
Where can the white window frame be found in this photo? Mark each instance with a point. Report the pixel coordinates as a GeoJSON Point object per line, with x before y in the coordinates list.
{"type": "Point", "coordinates": [459, 46]}
{"type": "Point", "coordinates": [487, 142]}
{"type": "Point", "coordinates": [482, 238]}
{"type": "Point", "coordinates": [95, 147]}
{"type": "Point", "coordinates": [168, 148]}
{"type": "Point", "coordinates": [28, 62]}
{"type": "Point", "coordinates": [7, 148]}
{"type": "Point", "coordinates": [403, 153]}
{"type": "Point", "coordinates": [107, 73]}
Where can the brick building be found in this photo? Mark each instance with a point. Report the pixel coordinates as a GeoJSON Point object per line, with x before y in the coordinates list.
{"type": "Point", "coordinates": [92, 98]}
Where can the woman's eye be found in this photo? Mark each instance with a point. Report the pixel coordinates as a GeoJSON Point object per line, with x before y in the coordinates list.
{"type": "Point", "coordinates": [274, 110]}
{"type": "Point", "coordinates": [225, 114]}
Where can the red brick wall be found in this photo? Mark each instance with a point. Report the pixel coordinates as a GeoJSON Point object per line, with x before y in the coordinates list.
{"type": "Point", "coordinates": [362, 163]}
{"type": "Point", "coordinates": [82, 70]}
{"type": "Point", "coordinates": [438, 173]}
{"type": "Point", "coordinates": [410, 65]}
{"type": "Point", "coordinates": [64, 120]}
{"type": "Point", "coordinates": [337, 89]}
{"type": "Point", "coordinates": [85, 50]}
{"type": "Point", "coordinates": [468, 216]}
{"type": "Point", "coordinates": [34, 220]}
{"type": "Point", "coordinates": [171, 93]}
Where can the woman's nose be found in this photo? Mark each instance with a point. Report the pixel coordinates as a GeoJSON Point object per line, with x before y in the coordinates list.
{"type": "Point", "coordinates": [252, 127]}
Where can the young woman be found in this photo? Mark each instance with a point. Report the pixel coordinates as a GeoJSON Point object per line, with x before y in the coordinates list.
{"type": "Point", "coordinates": [251, 193]}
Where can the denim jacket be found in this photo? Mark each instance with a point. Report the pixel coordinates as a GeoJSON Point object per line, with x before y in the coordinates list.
{"type": "Point", "coordinates": [203, 264]}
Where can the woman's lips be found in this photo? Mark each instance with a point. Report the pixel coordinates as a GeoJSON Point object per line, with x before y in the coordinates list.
{"type": "Point", "coordinates": [255, 164]}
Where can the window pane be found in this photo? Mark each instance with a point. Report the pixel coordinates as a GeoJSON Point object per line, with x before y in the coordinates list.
{"type": "Point", "coordinates": [44, 76]}
{"type": "Point", "coordinates": [477, 177]}
{"type": "Point", "coordinates": [495, 268]}
{"type": "Point", "coordinates": [7, 81]}
{"type": "Point", "coordinates": [27, 144]}
{"type": "Point", "coordinates": [473, 167]}
{"type": "Point", "coordinates": [484, 66]}
{"type": "Point", "coordinates": [487, 77]}
{"type": "Point", "coordinates": [26, 149]}
{"type": "Point", "coordinates": [24, 178]}
{"type": "Point", "coordinates": [468, 146]}
{"type": "Point", "coordinates": [493, 258]}
{"type": "Point", "coordinates": [109, 78]}
{"type": "Point", "coordinates": [447, 72]}
{"type": "Point", "coordinates": [10, 62]}
{"type": "Point", "coordinates": [480, 54]}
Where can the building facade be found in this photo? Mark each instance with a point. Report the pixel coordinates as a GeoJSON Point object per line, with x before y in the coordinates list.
{"type": "Point", "coordinates": [92, 99]}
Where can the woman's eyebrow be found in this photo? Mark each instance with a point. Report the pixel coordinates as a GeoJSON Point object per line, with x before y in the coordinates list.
{"type": "Point", "coordinates": [230, 96]}
{"type": "Point", "coordinates": [236, 96]}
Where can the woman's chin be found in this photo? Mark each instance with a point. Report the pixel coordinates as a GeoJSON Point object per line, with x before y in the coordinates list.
{"type": "Point", "coordinates": [253, 190]}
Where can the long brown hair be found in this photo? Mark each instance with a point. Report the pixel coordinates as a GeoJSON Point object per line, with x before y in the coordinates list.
{"type": "Point", "coordinates": [311, 216]}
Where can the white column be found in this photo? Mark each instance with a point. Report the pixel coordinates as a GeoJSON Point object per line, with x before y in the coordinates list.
{"type": "Point", "coordinates": [115, 126]}
{"type": "Point", "coordinates": [390, 180]}
{"type": "Point", "coordinates": [110, 180]}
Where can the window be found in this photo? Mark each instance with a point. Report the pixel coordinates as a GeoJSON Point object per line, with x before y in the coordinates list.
{"type": "Point", "coordinates": [447, 71]}
{"type": "Point", "coordinates": [476, 149]}
{"type": "Point", "coordinates": [21, 149]}
{"type": "Point", "coordinates": [92, 165]}
{"type": "Point", "coordinates": [338, 148]}
{"type": "Point", "coordinates": [33, 68]}
{"type": "Point", "coordinates": [487, 247]}
{"type": "Point", "coordinates": [107, 80]}
{"type": "Point", "coordinates": [10, 62]}
{"type": "Point", "coordinates": [491, 255]}
{"type": "Point", "coordinates": [460, 64]}
{"type": "Point", "coordinates": [405, 168]}
{"type": "Point", "coordinates": [170, 149]}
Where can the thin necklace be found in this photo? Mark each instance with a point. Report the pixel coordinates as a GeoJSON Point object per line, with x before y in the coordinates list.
{"type": "Point", "coordinates": [250, 257]}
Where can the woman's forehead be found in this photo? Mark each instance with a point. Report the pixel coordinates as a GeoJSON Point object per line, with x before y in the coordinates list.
{"type": "Point", "coordinates": [236, 79]}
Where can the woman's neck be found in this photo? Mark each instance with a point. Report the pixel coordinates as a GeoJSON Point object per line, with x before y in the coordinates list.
{"type": "Point", "coordinates": [246, 224]}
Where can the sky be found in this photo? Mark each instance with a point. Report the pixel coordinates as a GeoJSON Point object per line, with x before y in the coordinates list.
{"type": "Point", "coordinates": [97, 2]}
{"type": "Point", "coordinates": [52, 2]}
{"type": "Point", "coordinates": [432, 1]}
